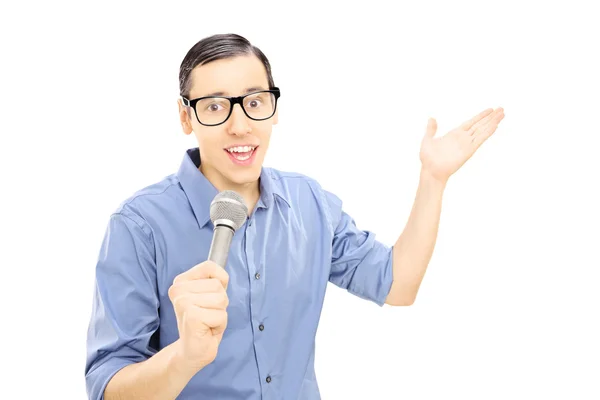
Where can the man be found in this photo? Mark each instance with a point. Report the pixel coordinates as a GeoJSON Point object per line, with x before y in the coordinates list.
{"type": "Point", "coordinates": [167, 324]}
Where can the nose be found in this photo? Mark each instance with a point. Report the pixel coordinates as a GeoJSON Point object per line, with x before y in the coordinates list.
{"type": "Point", "coordinates": [238, 121]}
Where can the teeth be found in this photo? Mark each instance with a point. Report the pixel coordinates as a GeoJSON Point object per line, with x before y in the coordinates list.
{"type": "Point", "coordinates": [240, 149]}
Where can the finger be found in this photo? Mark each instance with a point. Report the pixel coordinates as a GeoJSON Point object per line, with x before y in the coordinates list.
{"type": "Point", "coordinates": [219, 329]}
{"type": "Point", "coordinates": [214, 320]}
{"type": "Point", "coordinates": [484, 121]}
{"type": "Point", "coordinates": [211, 318]}
{"type": "Point", "coordinates": [204, 270]}
{"type": "Point", "coordinates": [213, 301]}
{"type": "Point", "coordinates": [185, 306]}
{"type": "Point", "coordinates": [211, 285]}
{"type": "Point", "coordinates": [431, 128]}
{"type": "Point", "coordinates": [468, 124]}
{"type": "Point", "coordinates": [483, 134]}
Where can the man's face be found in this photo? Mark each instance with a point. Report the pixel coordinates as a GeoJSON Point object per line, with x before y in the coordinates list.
{"type": "Point", "coordinates": [229, 77]}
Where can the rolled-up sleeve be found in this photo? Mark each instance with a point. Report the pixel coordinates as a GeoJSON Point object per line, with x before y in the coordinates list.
{"type": "Point", "coordinates": [125, 302]}
{"type": "Point", "coordinates": [360, 263]}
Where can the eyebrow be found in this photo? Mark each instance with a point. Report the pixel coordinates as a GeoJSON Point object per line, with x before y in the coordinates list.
{"type": "Point", "coordinates": [248, 90]}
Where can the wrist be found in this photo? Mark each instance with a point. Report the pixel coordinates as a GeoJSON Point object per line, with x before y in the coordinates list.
{"type": "Point", "coordinates": [429, 179]}
{"type": "Point", "coordinates": [180, 362]}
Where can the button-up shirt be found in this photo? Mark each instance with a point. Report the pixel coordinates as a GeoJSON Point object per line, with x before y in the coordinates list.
{"type": "Point", "coordinates": [295, 241]}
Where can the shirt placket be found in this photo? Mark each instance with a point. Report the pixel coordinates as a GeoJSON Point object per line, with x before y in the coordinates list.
{"type": "Point", "coordinates": [257, 289]}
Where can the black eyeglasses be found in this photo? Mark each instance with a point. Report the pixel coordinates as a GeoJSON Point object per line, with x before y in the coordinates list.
{"type": "Point", "coordinates": [214, 110]}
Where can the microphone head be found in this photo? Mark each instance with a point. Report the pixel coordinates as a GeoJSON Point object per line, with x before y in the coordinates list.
{"type": "Point", "coordinates": [228, 208]}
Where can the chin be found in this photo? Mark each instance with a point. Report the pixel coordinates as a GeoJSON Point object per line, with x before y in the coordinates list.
{"type": "Point", "coordinates": [245, 177]}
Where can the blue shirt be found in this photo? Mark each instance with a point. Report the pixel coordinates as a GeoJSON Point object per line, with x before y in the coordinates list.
{"type": "Point", "coordinates": [296, 240]}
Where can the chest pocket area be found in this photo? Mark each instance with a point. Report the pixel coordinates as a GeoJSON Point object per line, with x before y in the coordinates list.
{"type": "Point", "coordinates": [293, 269]}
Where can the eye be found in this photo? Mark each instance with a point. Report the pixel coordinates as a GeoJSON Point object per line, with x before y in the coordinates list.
{"type": "Point", "coordinates": [214, 107]}
{"type": "Point", "coordinates": [254, 101]}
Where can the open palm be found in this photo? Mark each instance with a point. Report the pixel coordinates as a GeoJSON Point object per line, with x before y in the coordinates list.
{"type": "Point", "coordinates": [443, 156]}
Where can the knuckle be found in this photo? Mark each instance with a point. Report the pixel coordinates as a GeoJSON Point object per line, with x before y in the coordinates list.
{"type": "Point", "coordinates": [172, 291]}
{"type": "Point", "coordinates": [208, 265]}
{"type": "Point", "coordinates": [225, 277]}
{"type": "Point", "coordinates": [223, 301]}
{"type": "Point", "coordinates": [215, 285]}
{"type": "Point", "coordinates": [193, 316]}
{"type": "Point", "coordinates": [199, 267]}
{"type": "Point", "coordinates": [179, 278]}
{"type": "Point", "coordinates": [181, 302]}
{"type": "Point", "coordinates": [202, 265]}
{"type": "Point", "coordinates": [176, 303]}
{"type": "Point", "coordinates": [223, 317]}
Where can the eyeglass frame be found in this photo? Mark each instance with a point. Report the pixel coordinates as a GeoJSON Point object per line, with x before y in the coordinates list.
{"type": "Point", "coordinates": [232, 101]}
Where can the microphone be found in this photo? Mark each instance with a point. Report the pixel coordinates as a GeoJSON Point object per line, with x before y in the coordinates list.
{"type": "Point", "coordinates": [228, 212]}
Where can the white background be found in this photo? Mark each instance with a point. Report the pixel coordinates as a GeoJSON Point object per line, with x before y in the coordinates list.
{"type": "Point", "coordinates": [509, 306]}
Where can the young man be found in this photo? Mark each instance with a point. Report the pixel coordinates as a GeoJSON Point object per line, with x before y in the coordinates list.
{"type": "Point", "coordinates": [167, 324]}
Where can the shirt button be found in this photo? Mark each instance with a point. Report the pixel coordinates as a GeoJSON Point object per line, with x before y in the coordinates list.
{"type": "Point", "coordinates": [257, 276]}
{"type": "Point", "coordinates": [261, 327]}
{"type": "Point", "coordinates": [268, 379]}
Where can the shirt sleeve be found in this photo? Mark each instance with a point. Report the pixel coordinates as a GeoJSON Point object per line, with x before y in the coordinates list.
{"type": "Point", "coordinates": [125, 302]}
{"type": "Point", "coordinates": [359, 263]}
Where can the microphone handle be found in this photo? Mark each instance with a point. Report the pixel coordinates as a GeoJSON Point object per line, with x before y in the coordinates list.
{"type": "Point", "coordinates": [219, 248]}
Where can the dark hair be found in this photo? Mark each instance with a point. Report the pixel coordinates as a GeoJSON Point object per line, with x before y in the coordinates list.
{"type": "Point", "coordinates": [217, 47]}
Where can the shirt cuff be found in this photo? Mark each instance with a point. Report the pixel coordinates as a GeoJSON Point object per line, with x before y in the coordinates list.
{"type": "Point", "coordinates": [373, 280]}
{"type": "Point", "coordinates": [98, 378]}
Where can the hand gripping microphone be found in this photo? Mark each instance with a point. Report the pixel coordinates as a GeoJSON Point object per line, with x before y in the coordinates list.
{"type": "Point", "coordinates": [228, 212]}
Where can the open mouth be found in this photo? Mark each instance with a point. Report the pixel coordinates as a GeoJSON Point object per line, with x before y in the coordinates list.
{"type": "Point", "coordinates": [241, 155]}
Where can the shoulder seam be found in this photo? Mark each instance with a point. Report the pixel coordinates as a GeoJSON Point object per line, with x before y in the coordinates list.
{"type": "Point", "coordinates": [145, 194]}
{"type": "Point", "coordinates": [120, 213]}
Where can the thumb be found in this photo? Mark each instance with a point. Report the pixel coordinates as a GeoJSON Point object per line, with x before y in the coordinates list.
{"type": "Point", "coordinates": [431, 128]}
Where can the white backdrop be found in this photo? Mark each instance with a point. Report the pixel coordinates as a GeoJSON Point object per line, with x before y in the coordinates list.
{"type": "Point", "coordinates": [509, 306]}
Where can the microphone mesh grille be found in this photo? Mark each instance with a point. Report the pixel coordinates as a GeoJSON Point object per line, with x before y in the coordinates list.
{"type": "Point", "coordinates": [229, 205]}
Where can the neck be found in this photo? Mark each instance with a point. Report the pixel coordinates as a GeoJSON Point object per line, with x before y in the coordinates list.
{"type": "Point", "coordinates": [249, 191]}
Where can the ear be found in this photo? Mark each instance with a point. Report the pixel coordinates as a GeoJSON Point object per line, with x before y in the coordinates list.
{"type": "Point", "coordinates": [185, 117]}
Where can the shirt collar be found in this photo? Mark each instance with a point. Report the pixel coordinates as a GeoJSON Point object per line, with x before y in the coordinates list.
{"type": "Point", "coordinates": [201, 192]}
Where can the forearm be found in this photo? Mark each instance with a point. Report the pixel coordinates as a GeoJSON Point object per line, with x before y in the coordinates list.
{"type": "Point", "coordinates": [414, 248]}
{"type": "Point", "coordinates": [163, 376]}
